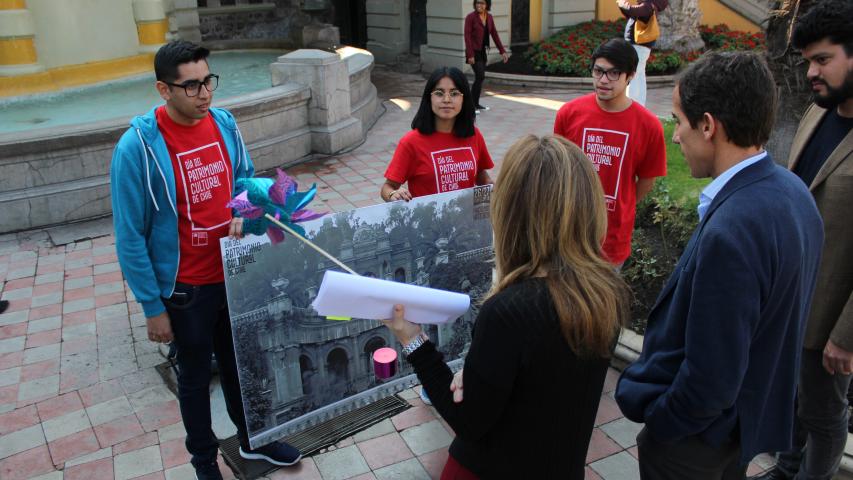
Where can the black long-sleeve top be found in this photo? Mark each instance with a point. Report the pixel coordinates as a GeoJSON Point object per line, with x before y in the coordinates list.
{"type": "Point", "coordinates": [526, 394]}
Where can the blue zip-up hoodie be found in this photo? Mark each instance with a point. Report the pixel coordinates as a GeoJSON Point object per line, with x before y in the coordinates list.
{"type": "Point", "coordinates": [145, 216]}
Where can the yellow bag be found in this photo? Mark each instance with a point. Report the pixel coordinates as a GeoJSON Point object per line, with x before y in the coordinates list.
{"type": "Point", "coordinates": [646, 32]}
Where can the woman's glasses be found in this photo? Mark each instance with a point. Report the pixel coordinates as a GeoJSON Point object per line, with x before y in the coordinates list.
{"type": "Point", "coordinates": [440, 94]}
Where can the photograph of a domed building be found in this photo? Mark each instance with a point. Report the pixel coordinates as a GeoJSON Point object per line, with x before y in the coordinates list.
{"type": "Point", "coordinates": [297, 368]}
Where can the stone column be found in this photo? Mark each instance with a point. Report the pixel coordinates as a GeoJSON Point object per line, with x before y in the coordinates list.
{"type": "Point", "coordinates": [446, 29]}
{"type": "Point", "coordinates": [17, 39]}
{"type": "Point", "coordinates": [184, 23]}
{"type": "Point", "coordinates": [329, 111]}
{"type": "Point", "coordinates": [151, 24]}
{"type": "Point", "coordinates": [387, 29]}
{"type": "Point", "coordinates": [559, 14]}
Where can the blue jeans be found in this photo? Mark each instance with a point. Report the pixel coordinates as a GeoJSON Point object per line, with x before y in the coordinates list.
{"type": "Point", "coordinates": [201, 326]}
{"type": "Point", "coordinates": [820, 429]}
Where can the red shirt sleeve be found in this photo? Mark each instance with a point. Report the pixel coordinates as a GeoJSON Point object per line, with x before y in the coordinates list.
{"type": "Point", "coordinates": [560, 122]}
{"type": "Point", "coordinates": [484, 160]}
{"type": "Point", "coordinates": [398, 169]}
{"type": "Point", "coordinates": [654, 163]}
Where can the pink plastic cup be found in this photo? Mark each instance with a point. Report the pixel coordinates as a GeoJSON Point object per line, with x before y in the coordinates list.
{"type": "Point", "coordinates": [385, 362]}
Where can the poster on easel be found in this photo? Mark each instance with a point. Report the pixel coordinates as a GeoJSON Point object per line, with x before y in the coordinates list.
{"type": "Point", "coordinates": [297, 368]}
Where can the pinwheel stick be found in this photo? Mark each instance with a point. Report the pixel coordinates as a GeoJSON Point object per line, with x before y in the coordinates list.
{"type": "Point", "coordinates": [308, 242]}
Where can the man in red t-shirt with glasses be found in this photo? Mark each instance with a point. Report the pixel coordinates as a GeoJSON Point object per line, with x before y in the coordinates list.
{"type": "Point", "coordinates": [622, 139]}
{"type": "Point", "coordinates": [172, 174]}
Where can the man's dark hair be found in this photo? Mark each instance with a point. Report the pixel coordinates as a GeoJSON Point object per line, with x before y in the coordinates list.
{"type": "Point", "coordinates": [463, 125]}
{"type": "Point", "coordinates": [618, 52]}
{"type": "Point", "coordinates": [176, 53]}
{"type": "Point", "coordinates": [488, 5]}
{"type": "Point", "coordinates": [829, 19]}
{"type": "Point", "coordinates": [737, 89]}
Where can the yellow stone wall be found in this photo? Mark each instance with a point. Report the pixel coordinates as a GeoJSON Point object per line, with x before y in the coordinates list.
{"type": "Point", "coordinates": [75, 75]}
{"type": "Point", "coordinates": [713, 13]}
{"type": "Point", "coordinates": [48, 45]}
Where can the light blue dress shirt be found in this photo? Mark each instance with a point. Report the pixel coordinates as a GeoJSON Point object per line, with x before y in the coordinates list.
{"type": "Point", "coordinates": [713, 188]}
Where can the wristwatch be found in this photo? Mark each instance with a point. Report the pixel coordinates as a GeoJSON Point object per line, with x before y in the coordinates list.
{"type": "Point", "coordinates": [415, 344]}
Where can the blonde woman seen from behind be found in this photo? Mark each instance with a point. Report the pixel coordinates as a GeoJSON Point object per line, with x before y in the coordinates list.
{"type": "Point", "coordinates": [543, 338]}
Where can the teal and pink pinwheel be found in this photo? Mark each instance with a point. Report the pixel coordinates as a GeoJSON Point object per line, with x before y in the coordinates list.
{"type": "Point", "coordinates": [262, 200]}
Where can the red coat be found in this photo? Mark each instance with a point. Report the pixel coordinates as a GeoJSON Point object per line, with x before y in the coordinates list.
{"type": "Point", "coordinates": [474, 31]}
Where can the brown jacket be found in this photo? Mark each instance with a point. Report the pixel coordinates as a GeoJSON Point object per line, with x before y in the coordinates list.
{"type": "Point", "coordinates": [832, 306]}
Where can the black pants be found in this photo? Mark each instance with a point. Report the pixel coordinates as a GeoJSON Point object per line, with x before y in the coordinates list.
{"type": "Point", "coordinates": [690, 458]}
{"type": "Point", "coordinates": [201, 325]}
{"type": "Point", "coordinates": [479, 75]}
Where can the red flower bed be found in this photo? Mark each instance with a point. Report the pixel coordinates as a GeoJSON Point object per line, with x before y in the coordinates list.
{"type": "Point", "coordinates": [567, 53]}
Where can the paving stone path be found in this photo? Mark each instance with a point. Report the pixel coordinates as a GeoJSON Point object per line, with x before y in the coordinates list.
{"type": "Point", "coordinates": [79, 395]}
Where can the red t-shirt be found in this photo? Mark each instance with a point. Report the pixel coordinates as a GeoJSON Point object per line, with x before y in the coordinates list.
{"type": "Point", "coordinates": [203, 182]}
{"type": "Point", "coordinates": [439, 162]}
{"type": "Point", "coordinates": [623, 146]}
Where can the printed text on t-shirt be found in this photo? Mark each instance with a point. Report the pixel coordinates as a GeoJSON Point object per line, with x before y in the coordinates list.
{"type": "Point", "coordinates": [606, 150]}
{"type": "Point", "coordinates": [203, 171]}
{"type": "Point", "coordinates": [453, 166]}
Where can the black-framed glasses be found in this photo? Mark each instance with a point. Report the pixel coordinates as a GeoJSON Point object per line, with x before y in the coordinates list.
{"type": "Point", "coordinates": [193, 87]}
{"type": "Point", "coordinates": [440, 94]}
{"type": "Point", "coordinates": [613, 74]}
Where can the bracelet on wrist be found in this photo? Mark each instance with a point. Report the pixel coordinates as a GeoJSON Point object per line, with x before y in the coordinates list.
{"type": "Point", "coordinates": [414, 344]}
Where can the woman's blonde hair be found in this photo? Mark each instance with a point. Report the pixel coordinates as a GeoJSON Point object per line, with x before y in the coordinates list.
{"type": "Point", "coordinates": [549, 220]}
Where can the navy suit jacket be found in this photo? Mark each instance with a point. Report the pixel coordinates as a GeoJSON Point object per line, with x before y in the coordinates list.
{"type": "Point", "coordinates": [722, 346]}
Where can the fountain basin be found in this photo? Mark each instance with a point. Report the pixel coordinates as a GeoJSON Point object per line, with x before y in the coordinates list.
{"type": "Point", "coordinates": [60, 174]}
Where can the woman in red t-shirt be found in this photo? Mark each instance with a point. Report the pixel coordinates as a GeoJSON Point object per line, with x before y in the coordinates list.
{"type": "Point", "coordinates": [444, 151]}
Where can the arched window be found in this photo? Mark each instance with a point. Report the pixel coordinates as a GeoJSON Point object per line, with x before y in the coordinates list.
{"type": "Point", "coordinates": [337, 373]}
{"type": "Point", "coordinates": [371, 346]}
{"type": "Point", "coordinates": [307, 371]}
{"type": "Point", "coordinates": [400, 275]}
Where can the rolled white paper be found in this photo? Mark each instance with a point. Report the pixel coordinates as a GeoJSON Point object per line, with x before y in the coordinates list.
{"type": "Point", "coordinates": [346, 295]}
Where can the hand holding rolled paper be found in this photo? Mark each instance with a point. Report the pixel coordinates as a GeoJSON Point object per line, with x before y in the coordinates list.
{"type": "Point", "coordinates": [404, 330]}
{"type": "Point", "coordinates": [343, 295]}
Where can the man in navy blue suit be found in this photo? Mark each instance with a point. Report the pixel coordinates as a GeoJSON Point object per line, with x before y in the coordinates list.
{"type": "Point", "coordinates": [716, 381]}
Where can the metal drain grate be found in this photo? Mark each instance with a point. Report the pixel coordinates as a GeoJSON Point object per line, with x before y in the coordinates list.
{"type": "Point", "coordinates": [315, 438]}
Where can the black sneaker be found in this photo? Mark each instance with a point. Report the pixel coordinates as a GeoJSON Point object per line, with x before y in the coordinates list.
{"type": "Point", "coordinates": [482, 108]}
{"type": "Point", "coordinates": [276, 453]}
{"type": "Point", "coordinates": [4, 304]}
{"type": "Point", "coordinates": [208, 472]}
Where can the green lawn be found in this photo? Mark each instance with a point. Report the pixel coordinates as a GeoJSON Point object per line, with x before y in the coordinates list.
{"type": "Point", "coordinates": [682, 187]}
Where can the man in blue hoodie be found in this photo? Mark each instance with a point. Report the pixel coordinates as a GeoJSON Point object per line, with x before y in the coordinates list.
{"type": "Point", "coordinates": [716, 381]}
{"type": "Point", "coordinates": [172, 174]}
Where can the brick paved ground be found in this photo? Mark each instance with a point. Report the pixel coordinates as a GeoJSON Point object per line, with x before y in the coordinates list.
{"type": "Point", "coordinates": [79, 395]}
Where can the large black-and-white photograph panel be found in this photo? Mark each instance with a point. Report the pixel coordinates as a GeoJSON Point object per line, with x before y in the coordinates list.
{"type": "Point", "coordinates": [297, 368]}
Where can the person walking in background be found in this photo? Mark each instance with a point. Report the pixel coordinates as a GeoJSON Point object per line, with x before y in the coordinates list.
{"type": "Point", "coordinates": [623, 140]}
{"type": "Point", "coordinates": [822, 156]}
{"type": "Point", "coordinates": [716, 381]}
{"type": "Point", "coordinates": [479, 25]}
{"type": "Point", "coordinates": [444, 151]}
{"type": "Point", "coordinates": [172, 173]}
{"type": "Point", "coordinates": [543, 339]}
{"type": "Point", "coordinates": [641, 31]}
